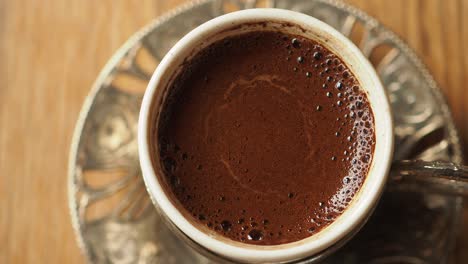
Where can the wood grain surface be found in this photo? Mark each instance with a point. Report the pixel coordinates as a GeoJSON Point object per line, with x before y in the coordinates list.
{"type": "Point", "coordinates": [52, 50]}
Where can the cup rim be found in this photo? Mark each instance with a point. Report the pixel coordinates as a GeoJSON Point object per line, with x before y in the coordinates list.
{"type": "Point", "coordinates": [363, 202]}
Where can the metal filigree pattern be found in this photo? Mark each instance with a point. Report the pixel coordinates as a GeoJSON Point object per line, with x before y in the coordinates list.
{"type": "Point", "coordinates": [111, 212]}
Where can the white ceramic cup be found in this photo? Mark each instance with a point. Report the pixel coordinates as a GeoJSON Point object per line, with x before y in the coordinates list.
{"type": "Point", "coordinates": [269, 19]}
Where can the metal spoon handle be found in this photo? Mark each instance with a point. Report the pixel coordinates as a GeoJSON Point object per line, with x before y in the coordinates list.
{"type": "Point", "coordinates": [436, 176]}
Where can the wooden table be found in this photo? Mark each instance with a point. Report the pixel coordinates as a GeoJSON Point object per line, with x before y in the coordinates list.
{"type": "Point", "coordinates": [52, 50]}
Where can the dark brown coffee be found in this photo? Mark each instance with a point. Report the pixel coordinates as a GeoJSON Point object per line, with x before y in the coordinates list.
{"type": "Point", "coordinates": [266, 139]}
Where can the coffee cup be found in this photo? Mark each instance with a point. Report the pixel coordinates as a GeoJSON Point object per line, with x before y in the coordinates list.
{"type": "Point", "coordinates": [363, 202]}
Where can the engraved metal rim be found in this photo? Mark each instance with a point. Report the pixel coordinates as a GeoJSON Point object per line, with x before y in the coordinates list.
{"type": "Point", "coordinates": [122, 51]}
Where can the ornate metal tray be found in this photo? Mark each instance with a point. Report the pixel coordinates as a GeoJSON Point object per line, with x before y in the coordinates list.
{"type": "Point", "coordinates": [113, 217]}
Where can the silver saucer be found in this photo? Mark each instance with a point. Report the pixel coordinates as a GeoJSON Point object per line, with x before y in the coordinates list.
{"type": "Point", "coordinates": [113, 217]}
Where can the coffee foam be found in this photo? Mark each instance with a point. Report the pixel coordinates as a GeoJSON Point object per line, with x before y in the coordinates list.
{"type": "Point", "coordinates": [333, 91]}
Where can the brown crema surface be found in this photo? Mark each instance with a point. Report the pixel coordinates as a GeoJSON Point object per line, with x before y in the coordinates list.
{"type": "Point", "coordinates": [267, 138]}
